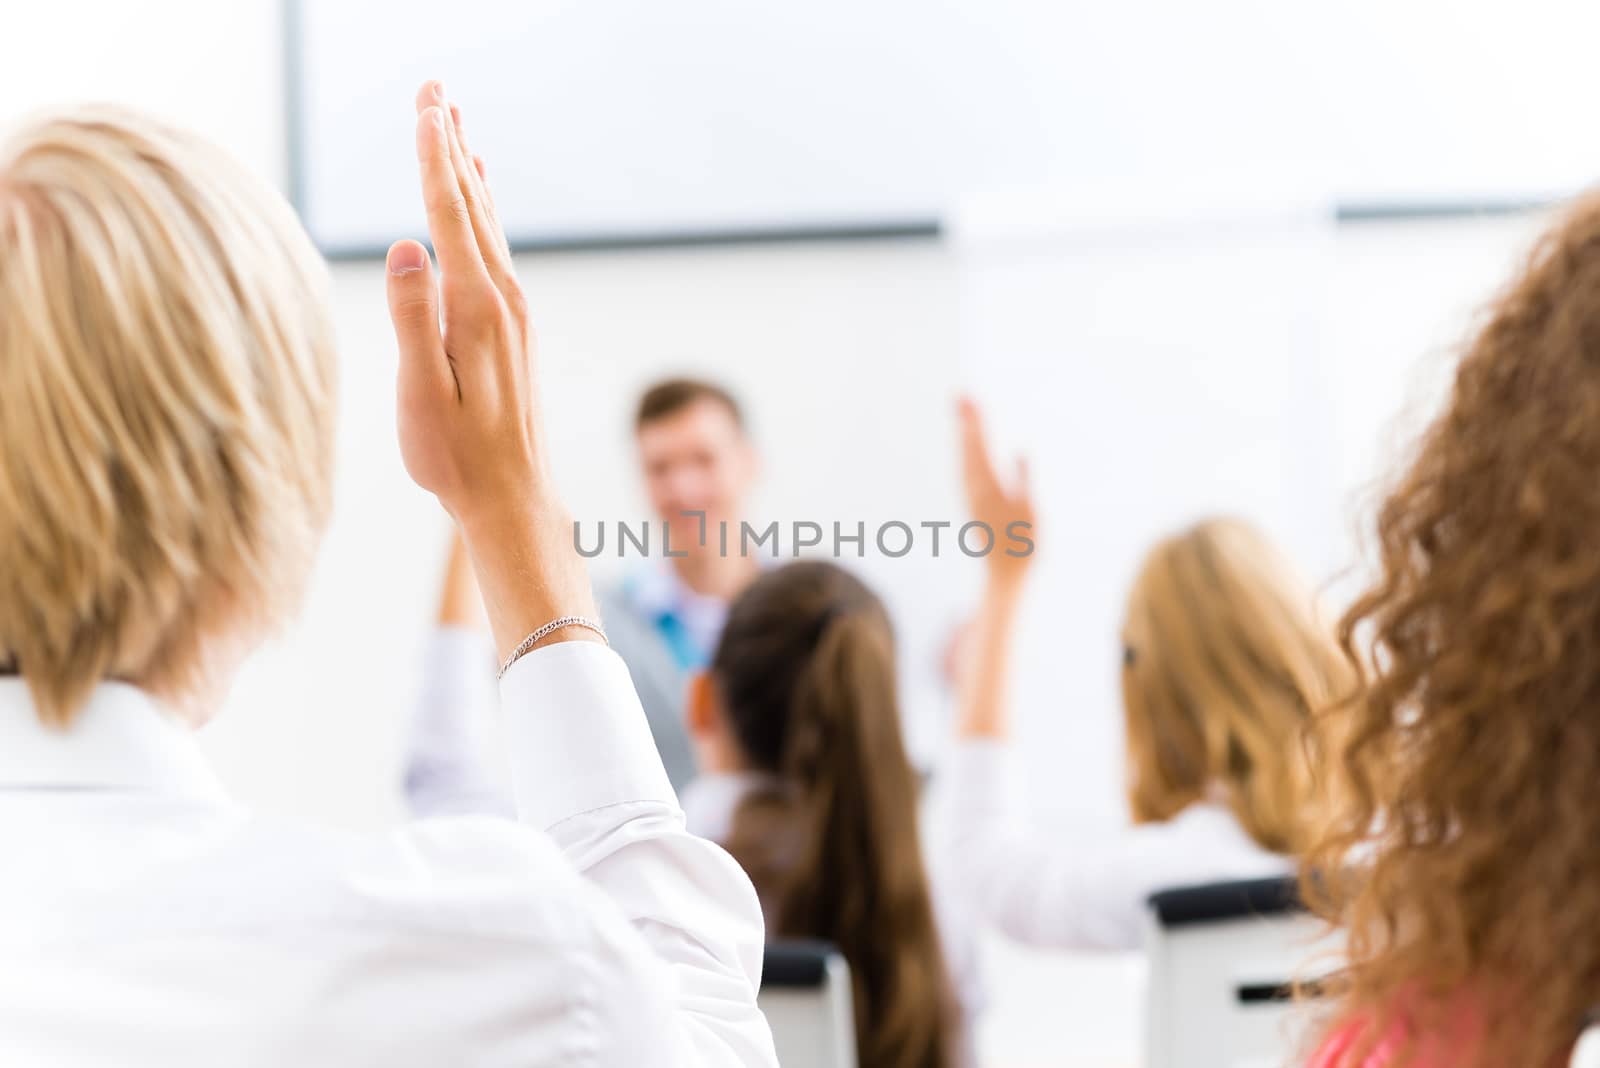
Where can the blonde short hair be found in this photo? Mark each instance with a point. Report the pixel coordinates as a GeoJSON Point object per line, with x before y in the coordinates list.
{"type": "Point", "coordinates": [167, 384]}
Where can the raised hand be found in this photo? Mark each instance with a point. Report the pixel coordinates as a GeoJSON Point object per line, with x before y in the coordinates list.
{"type": "Point", "coordinates": [982, 711]}
{"type": "Point", "coordinates": [468, 414]}
{"type": "Point", "coordinates": [995, 501]}
{"type": "Point", "coordinates": [471, 427]}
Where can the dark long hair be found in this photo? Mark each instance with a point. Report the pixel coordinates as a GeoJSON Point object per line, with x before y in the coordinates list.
{"type": "Point", "coordinates": [806, 675]}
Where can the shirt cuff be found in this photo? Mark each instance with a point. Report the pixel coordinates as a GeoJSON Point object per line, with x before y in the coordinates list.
{"type": "Point", "coordinates": [577, 735]}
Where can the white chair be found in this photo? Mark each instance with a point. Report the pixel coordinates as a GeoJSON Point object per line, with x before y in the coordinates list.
{"type": "Point", "coordinates": [1587, 1052]}
{"type": "Point", "coordinates": [1223, 961]}
{"type": "Point", "coordinates": [805, 993]}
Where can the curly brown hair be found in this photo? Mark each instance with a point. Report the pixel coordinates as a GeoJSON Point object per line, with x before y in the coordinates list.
{"type": "Point", "coordinates": [1469, 836]}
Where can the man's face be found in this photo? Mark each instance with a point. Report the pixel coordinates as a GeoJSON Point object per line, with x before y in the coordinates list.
{"type": "Point", "coordinates": [696, 460]}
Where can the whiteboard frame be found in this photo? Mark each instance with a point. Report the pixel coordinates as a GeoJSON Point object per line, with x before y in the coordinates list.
{"type": "Point", "coordinates": [295, 125]}
{"type": "Point", "coordinates": [1346, 212]}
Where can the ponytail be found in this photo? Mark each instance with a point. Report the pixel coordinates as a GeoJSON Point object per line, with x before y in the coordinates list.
{"type": "Point", "coordinates": [833, 846]}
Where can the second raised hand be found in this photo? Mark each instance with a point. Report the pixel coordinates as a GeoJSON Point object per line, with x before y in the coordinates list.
{"type": "Point", "coordinates": [992, 499]}
{"type": "Point", "coordinates": [471, 429]}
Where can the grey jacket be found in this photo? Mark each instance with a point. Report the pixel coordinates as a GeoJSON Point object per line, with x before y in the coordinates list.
{"type": "Point", "coordinates": [661, 682]}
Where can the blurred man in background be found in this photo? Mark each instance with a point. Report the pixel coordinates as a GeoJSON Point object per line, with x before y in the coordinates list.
{"type": "Point", "coordinates": [665, 618]}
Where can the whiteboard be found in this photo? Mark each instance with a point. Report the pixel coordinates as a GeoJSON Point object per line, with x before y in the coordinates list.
{"type": "Point", "coordinates": [623, 120]}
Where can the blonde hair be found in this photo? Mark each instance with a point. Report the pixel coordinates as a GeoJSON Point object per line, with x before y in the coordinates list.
{"type": "Point", "coordinates": [1225, 664]}
{"type": "Point", "coordinates": [166, 364]}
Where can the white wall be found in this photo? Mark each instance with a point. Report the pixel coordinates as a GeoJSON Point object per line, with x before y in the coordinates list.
{"type": "Point", "coordinates": [215, 67]}
{"type": "Point", "coordinates": [848, 356]}
{"type": "Point", "coordinates": [763, 112]}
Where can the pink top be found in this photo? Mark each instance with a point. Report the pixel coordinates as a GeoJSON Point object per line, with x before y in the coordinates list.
{"type": "Point", "coordinates": [1342, 1043]}
{"type": "Point", "coordinates": [1432, 1050]}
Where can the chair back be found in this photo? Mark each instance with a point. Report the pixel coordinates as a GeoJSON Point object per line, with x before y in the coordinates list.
{"type": "Point", "coordinates": [1587, 1052]}
{"type": "Point", "coordinates": [1224, 959]}
{"type": "Point", "coordinates": [805, 994]}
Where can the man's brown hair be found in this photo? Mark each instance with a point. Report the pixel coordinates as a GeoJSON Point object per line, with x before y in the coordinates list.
{"type": "Point", "coordinates": [673, 395]}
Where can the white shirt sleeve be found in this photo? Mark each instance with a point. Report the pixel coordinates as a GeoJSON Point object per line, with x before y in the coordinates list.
{"type": "Point", "coordinates": [1064, 894]}
{"type": "Point", "coordinates": [584, 769]}
{"type": "Point", "coordinates": [711, 801]}
{"type": "Point", "coordinates": [444, 770]}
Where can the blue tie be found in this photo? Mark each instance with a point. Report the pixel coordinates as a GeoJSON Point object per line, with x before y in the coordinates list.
{"type": "Point", "coordinates": [690, 656]}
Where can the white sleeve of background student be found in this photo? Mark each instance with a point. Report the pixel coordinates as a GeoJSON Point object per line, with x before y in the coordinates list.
{"type": "Point", "coordinates": [1060, 893]}
{"type": "Point", "coordinates": [444, 770]}
{"type": "Point", "coordinates": [585, 769]}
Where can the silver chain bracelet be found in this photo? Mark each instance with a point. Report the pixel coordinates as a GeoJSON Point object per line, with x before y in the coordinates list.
{"type": "Point", "coordinates": [544, 632]}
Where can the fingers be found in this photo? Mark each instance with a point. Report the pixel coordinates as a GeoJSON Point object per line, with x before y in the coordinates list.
{"type": "Point", "coordinates": [474, 168]}
{"type": "Point", "coordinates": [475, 163]}
{"type": "Point", "coordinates": [488, 203]}
{"type": "Point", "coordinates": [491, 242]}
{"type": "Point", "coordinates": [493, 252]}
{"type": "Point", "coordinates": [977, 464]}
{"type": "Point", "coordinates": [430, 95]}
{"type": "Point", "coordinates": [449, 220]}
{"type": "Point", "coordinates": [414, 311]}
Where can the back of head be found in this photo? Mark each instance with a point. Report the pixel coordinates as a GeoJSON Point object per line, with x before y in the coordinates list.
{"type": "Point", "coordinates": [168, 387]}
{"type": "Point", "coordinates": [1225, 663]}
{"type": "Point", "coordinates": [806, 675]}
{"type": "Point", "coordinates": [1473, 752]}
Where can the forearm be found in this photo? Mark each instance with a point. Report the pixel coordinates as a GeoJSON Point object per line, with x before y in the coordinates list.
{"type": "Point", "coordinates": [985, 686]}
{"type": "Point", "coordinates": [529, 570]}
{"type": "Point", "coordinates": [460, 603]}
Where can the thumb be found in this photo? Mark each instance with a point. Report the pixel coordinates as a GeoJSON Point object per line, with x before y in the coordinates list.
{"type": "Point", "coordinates": [414, 310]}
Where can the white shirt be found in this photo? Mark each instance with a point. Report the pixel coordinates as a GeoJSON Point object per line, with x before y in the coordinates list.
{"type": "Point", "coordinates": [457, 704]}
{"type": "Point", "coordinates": [147, 920]}
{"type": "Point", "coordinates": [658, 590]}
{"type": "Point", "coordinates": [712, 800]}
{"type": "Point", "coordinates": [1069, 893]}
